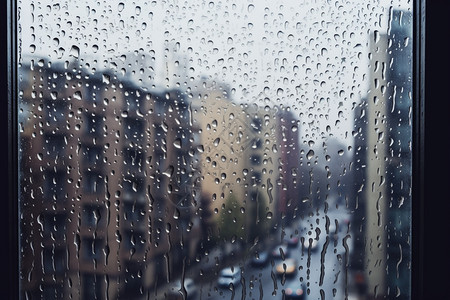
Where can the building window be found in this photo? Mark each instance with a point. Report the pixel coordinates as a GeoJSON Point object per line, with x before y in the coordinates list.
{"type": "Point", "coordinates": [93, 249]}
{"type": "Point", "coordinates": [93, 287]}
{"type": "Point", "coordinates": [92, 92]}
{"type": "Point", "coordinates": [55, 226]}
{"type": "Point", "coordinates": [133, 158]}
{"type": "Point", "coordinates": [134, 100]}
{"type": "Point", "coordinates": [93, 216]}
{"type": "Point", "coordinates": [133, 212]}
{"type": "Point", "coordinates": [92, 155]}
{"type": "Point", "coordinates": [52, 291]}
{"type": "Point", "coordinates": [54, 260]}
{"type": "Point", "coordinates": [54, 185]}
{"type": "Point", "coordinates": [54, 145]}
{"type": "Point", "coordinates": [93, 182]}
{"type": "Point", "coordinates": [94, 125]}
{"type": "Point", "coordinates": [134, 240]}
{"type": "Point", "coordinates": [56, 110]}
{"type": "Point", "coordinates": [134, 129]}
{"type": "Point", "coordinates": [255, 159]}
{"type": "Point", "coordinates": [133, 186]}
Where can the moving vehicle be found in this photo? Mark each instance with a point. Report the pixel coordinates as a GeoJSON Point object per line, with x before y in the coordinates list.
{"type": "Point", "coordinates": [287, 267]}
{"type": "Point", "coordinates": [230, 275]}
{"type": "Point", "coordinates": [294, 290]}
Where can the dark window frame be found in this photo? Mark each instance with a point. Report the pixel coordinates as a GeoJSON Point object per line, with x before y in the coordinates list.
{"type": "Point", "coordinates": [430, 56]}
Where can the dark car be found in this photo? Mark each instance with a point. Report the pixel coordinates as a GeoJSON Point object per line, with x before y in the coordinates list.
{"type": "Point", "coordinates": [292, 241]}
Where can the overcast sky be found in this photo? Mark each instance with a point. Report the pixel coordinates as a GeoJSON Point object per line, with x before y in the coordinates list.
{"type": "Point", "coordinates": [310, 56]}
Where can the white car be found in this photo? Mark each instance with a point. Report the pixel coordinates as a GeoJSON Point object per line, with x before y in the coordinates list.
{"type": "Point", "coordinates": [333, 231]}
{"type": "Point", "coordinates": [310, 242]}
{"type": "Point", "coordinates": [230, 275]}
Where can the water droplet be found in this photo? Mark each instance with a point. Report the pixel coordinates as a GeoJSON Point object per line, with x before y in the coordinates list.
{"type": "Point", "coordinates": [310, 154]}
{"type": "Point", "coordinates": [233, 239]}
{"type": "Point", "coordinates": [177, 143]}
{"type": "Point", "coordinates": [376, 36]}
{"type": "Point", "coordinates": [106, 78]}
{"type": "Point", "coordinates": [169, 171]}
{"type": "Point", "coordinates": [77, 95]}
{"type": "Point", "coordinates": [74, 51]}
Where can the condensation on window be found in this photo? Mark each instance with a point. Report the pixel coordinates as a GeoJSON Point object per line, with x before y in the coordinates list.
{"type": "Point", "coordinates": [215, 149]}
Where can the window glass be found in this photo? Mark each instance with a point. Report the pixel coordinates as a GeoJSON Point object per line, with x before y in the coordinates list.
{"type": "Point", "coordinates": [215, 149]}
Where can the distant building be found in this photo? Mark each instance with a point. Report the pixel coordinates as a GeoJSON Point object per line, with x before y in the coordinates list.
{"type": "Point", "coordinates": [250, 154]}
{"type": "Point", "coordinates": [289, 180]}
{"type": "Point", "coordinates": [383, 132]}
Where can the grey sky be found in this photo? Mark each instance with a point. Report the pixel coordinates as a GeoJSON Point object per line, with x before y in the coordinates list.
{"type": "Point", "coordinates": [310, 56]}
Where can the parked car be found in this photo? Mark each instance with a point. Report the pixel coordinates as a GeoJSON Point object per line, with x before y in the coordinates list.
{"type": "Point", "coordinates": [260, 258]}
{"type": "Point", "coordinates": [294, 290]}
{"type": "Point", "coordinates": [230, 275]}
{"type": "Point", "coordinates": [286, 267]}
{"type": "Point", "coordinates": [175, 290]}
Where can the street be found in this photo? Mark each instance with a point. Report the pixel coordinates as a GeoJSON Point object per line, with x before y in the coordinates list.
{"type": "Point", "coordinates": [322, 270]}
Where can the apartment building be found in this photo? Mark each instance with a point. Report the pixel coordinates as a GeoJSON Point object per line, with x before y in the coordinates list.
{"type": "Point", "coordinates": [108, 192]}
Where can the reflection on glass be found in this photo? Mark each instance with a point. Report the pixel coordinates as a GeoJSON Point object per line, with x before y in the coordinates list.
{"type": "Point", "coordinates": [215, 150]}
